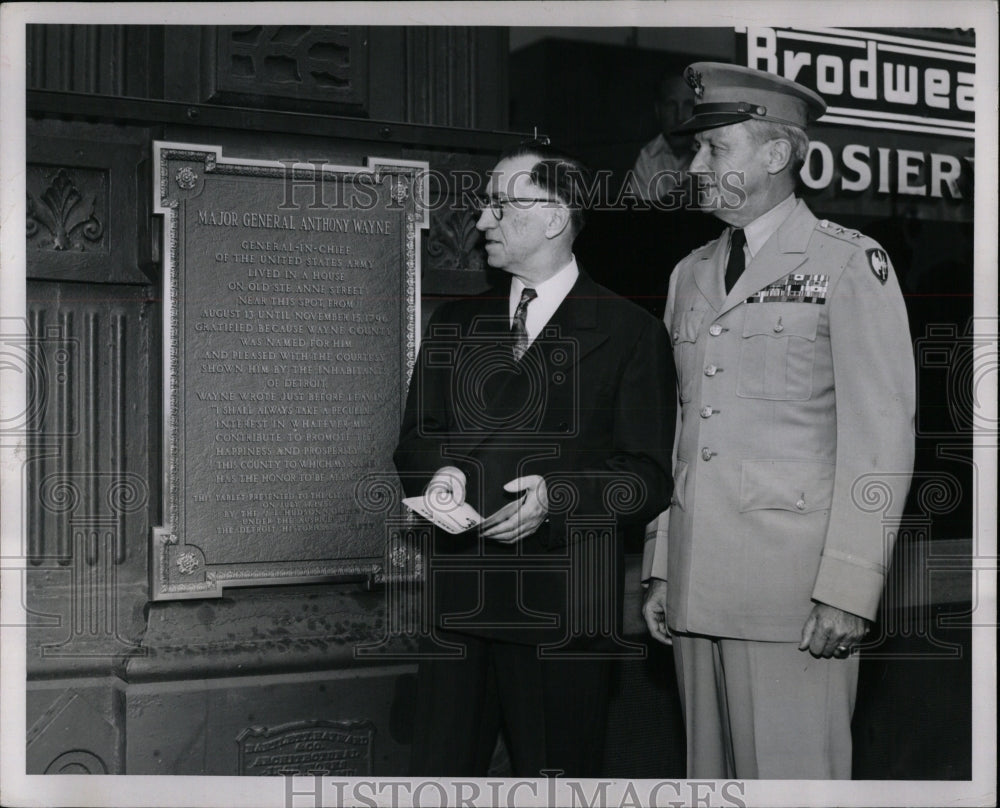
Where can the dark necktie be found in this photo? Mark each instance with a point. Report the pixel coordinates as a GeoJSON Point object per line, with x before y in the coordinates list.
{"type": "Point", "coordinates": [737, 261]}
{"type": "Point", "coordinates": [518, 328]}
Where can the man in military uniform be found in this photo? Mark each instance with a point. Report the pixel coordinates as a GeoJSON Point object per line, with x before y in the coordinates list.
{"type": "Point", "coordinates": [794, 453]}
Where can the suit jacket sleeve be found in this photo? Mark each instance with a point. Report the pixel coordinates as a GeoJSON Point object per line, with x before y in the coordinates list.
{"type": "Point", "coordinates": [599, 466]}
{"type": "Point", "coordinates": [641, 439]}
{"type": "Point", "coordinates": [424, 428]}
{"type": "Point", "coordinates": [875, 394]}
{"type": "Point", "coordinates": [654, 557]}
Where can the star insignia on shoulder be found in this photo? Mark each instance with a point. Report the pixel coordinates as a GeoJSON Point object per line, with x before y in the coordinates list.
{"type": "Point", "coordinates": [834, 229]}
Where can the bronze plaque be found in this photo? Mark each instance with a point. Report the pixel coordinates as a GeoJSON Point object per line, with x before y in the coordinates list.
{"type": "Point", "coordinates": [341, 748]}
{"type": "Point", "coordinates": [291, 308]}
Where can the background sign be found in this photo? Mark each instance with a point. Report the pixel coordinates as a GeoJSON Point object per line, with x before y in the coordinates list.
{"type": "Point", "coordinates": [897, 136]}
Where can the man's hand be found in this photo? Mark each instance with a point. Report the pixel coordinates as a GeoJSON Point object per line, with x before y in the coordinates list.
{"type": "Point", "coordinates": [446, 488]}
{"type": "Point", "coordinates": [654, 609]}
{"type": "Point", "coordinates": [519, 518]}
{"type": "Point", "coordinates": [832, 632]}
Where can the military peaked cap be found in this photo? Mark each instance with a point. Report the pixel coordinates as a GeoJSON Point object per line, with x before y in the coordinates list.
{"type": "Point", "coordinates": [726, 94]}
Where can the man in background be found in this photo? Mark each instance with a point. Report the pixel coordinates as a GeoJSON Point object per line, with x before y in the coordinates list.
{"type": "Point", "coordinates": [794, 452]}
{"type": "Point", "coordinates": [662, 163]}
{"type": "Point", "coordinates": [533, 403]}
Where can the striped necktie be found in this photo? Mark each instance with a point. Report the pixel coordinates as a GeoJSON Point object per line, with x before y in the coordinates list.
{"type": "Point", "coordinates": [518, 328]}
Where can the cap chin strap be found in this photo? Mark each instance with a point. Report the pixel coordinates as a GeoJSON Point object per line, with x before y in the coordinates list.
{"type": "Point", "coordinates": [755, 111]}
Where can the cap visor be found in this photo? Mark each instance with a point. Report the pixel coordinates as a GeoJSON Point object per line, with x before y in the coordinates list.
{"type": "Point", "coordinates": [709, 120]}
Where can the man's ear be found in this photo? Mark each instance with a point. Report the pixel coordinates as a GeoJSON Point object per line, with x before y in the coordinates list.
{"type": "Point", "coordinates": [557, 222]}
{"type": "Point", "coordinates": [779, 154]}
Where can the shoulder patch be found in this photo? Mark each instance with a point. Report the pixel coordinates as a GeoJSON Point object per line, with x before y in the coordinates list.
{"type": "Point", "coordinates": [878, 260]}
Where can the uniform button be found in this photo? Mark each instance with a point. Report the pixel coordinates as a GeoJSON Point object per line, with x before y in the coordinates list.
{"type": "Point", "coordinates": [801, 504]}
{"type": "Point", "coordinates": [711, 370]}
{"type": "Point", "coordinates": [715, 329]}
{"type": "Point", "coordinates": [677, 336]}
{"type": "Point", "coordinates": [706, 453]}
{"type": "Point", "coordinates": [778, 327]}
{"type": "Point", "coordinates": [706, 412]}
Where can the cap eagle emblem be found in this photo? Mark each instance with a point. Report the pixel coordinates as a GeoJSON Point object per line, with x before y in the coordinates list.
{"type": "Point", "coordinates": [693, 78]}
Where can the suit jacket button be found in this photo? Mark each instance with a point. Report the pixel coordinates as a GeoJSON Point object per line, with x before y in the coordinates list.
{"type": "Point", "coordinates": [711, 370]}
{"type": "Point", "coordinates": [706, 412]}
{"type": "Point", "coordinates": [715, 329]}
{"type": "Point", "coordinates": [706, 454]}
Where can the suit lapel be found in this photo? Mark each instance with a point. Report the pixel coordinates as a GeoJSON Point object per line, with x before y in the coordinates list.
{"type": "Point", "coordinates": [573, 331]}
{"type": "Point", "coordinates": [488, 335]}
{"type": "Point", "coordinates": [783, 253]}
{"type": "Point", "coordinates": [492, 320]}
{"type": "Point", "coordinates": [577, 318]}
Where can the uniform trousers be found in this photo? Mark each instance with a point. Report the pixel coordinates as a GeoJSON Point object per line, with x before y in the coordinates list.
{"type": "Point", "coordinates": [552, 711]}
{"type": "Point", "coordinates": [764, 710]}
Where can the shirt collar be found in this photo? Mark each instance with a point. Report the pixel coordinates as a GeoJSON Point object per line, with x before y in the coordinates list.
{"type": "Point", "coordinates": [551, 294]}
{"type": "Point", "coordinates": [763, 227]}
{"type": "Point", "coordinates": [659, 145]}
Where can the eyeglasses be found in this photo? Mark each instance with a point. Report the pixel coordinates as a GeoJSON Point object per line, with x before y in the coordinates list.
{"type": "Point", "coordinates": [496, 203]}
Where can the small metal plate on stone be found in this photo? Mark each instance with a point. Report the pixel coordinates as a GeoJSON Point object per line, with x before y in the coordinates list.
{"type": "Point", "coordinates": [318, 746]}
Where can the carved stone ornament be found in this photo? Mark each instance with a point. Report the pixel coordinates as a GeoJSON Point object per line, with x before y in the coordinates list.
{"type": "Point", "coordinates": [400, 190]}
{"type": "Point", "coordinates": [399, 557]}
{"type": "Point", "coordinates": [454, 241]}
{"type": "Point", "coordinates": [186, 178]}
{"type": "Point", "coordinates": [310, 63]}
{"type": "Point", "coordinates": [63, 212]}
{"type": "Point", "coordinates": [187, 563]}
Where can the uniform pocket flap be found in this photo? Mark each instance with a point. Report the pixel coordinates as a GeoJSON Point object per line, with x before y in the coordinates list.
{"type": "Point", "coordinates": [687, 326]}
{"type": "Point", "coordinates": [782, 320]}
{"type": "Point", "coordinates": [801, 486]}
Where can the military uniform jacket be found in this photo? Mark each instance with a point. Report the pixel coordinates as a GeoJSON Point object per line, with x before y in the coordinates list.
{"type": "Point", "coordinates": [795, 436]}
{"type": "Point", "coordinates": [580, 409]}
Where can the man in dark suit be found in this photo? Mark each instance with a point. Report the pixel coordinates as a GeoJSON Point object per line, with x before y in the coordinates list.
{"type": "Point", "coordinates": [533, 403]}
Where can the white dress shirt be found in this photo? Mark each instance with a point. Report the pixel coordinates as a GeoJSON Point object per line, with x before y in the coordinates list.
{"type": "Point", "coordinates": [655, 157]}
{"type": "Point", "coordinates": [551, 294]}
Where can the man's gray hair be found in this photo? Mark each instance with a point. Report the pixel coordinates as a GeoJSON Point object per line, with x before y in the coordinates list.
{"type": "Point", "coordinates": [559, 174]}
{"type": "Point", "coordinates": [763, 131]}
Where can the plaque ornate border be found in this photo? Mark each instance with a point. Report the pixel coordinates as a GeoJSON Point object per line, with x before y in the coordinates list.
{"type": "Point", "coordinates": [178, 567]}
